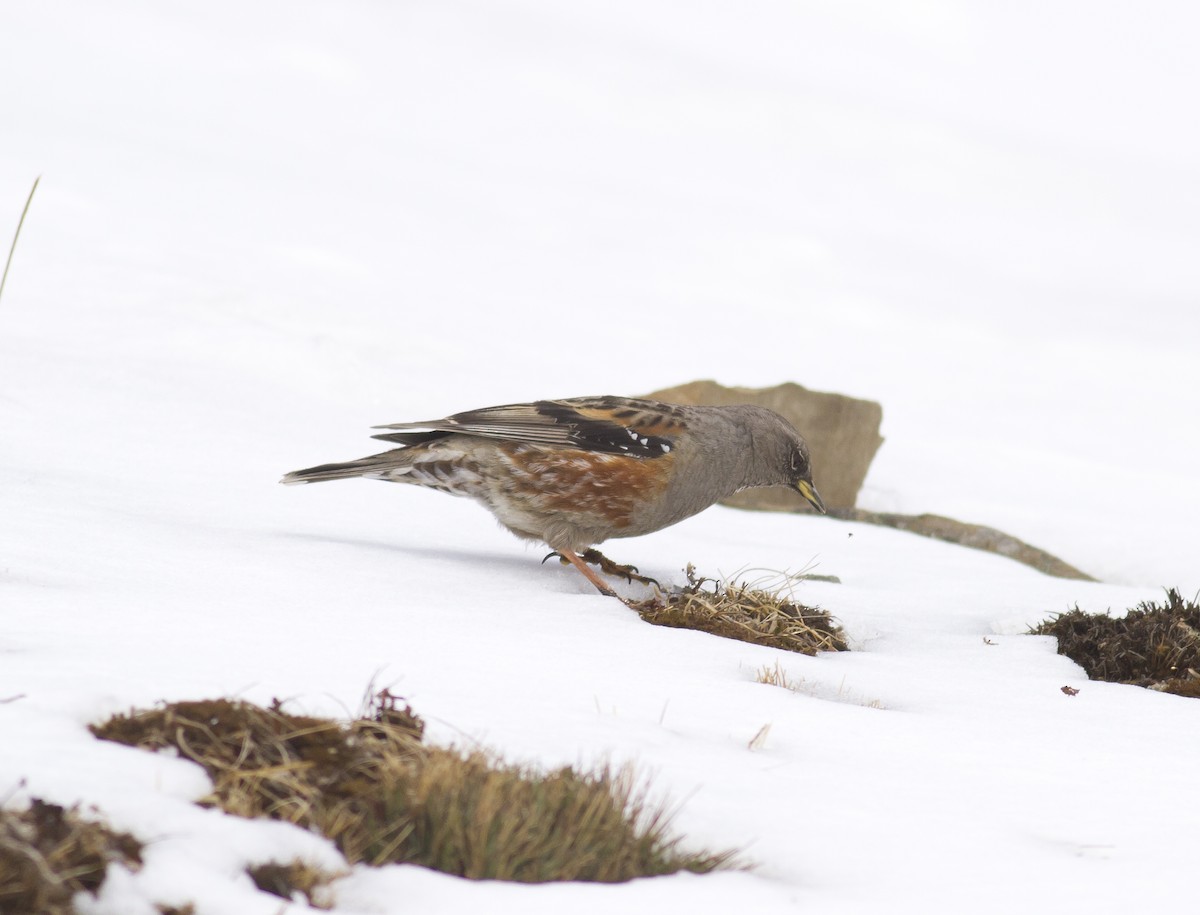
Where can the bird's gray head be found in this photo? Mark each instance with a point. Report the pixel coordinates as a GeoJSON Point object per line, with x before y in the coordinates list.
{"type": "Point", "coordinates": [781, 455]}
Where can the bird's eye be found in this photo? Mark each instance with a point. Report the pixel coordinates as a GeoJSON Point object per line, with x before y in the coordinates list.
{"type": "Point", "coordinates": [799, 462]}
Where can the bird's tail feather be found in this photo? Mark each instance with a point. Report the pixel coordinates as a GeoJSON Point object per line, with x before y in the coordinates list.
{"type": "Point", "coordinates": [376, 465]}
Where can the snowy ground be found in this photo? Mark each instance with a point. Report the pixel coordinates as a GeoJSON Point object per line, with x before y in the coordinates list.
{"type": "Point", "coordinates": [264, 227]}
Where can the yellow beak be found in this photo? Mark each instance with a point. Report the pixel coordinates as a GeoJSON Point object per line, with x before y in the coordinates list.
{"type": "Point", "coordinates": [810, 493]}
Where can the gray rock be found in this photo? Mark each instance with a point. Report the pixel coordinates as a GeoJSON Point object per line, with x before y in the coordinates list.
{"type": "Point", "coordinates": [976, 536]}
{"type": "Point", "coordinates": [843, 434]}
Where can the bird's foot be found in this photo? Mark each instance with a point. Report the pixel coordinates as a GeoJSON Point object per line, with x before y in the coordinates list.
{"type": "Point", "coordinates": [608, 567]}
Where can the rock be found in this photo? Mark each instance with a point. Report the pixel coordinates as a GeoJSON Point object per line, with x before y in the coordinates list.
{"type": "Point", "coordinates": [842, 433]}
{"type": "Point", "coordinates": [976, 536]}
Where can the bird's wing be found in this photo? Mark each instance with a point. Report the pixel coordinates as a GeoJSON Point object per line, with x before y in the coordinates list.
{"type": "Point", "coordinates": [609, 425]}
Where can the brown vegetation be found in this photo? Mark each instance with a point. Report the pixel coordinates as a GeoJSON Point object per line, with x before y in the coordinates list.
{"type": "Point", "coordinates": [1156, 645]}
{"type": "Point", "coordinates": [288, 880]}
{"type": "Point", "coordinates": [49, 853]}
{"type": "Point", "coordinates": [738, 611]}
{"type": "Point", "coordinates": [382, 796]}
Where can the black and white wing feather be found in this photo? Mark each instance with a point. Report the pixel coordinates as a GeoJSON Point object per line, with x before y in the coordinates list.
{"type": "Point", "coordinates": [607, 425]}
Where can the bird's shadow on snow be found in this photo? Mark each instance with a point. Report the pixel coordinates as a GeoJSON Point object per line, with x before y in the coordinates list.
{"type": "Point", "coordinates": [451, 553]}
{"type": "Point", "coordinates": [564, 579]}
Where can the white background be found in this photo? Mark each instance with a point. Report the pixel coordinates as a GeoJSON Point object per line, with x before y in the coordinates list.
{"type": "Point", "coordinates": [264, 227]}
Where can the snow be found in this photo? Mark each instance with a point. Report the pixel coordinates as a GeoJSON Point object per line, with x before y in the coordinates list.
{"type": "Point", "coordinates": [263, 228]}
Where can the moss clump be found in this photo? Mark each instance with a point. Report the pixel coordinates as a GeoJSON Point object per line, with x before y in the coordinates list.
{"type": "Point", "coordinates": [1156, 644]}
{"type": "Point", "coordinates": [49, 853]}
{"type": "Point", "coordinates": [376, 791]}
{"type": "Point", "coordinates": [742, 612]}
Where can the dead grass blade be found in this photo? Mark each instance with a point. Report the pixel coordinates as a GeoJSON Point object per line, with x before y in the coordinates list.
{"type": "Point", "coordinates": [17, 234]}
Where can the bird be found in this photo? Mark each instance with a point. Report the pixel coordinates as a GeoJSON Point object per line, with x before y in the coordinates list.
{"type": "Point", "coordinates": [575, 472]}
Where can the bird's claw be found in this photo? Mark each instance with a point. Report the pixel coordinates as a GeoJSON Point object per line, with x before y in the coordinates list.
{"type": "Point", "coordinates": [606, 565]}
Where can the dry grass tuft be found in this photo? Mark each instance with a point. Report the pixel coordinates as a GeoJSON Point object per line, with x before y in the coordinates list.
{"type": "Point", "coordinates": [482, 819]}
{"type": "Point", "coordinates": [48, 854]}
{"type": "Point", "coordinates": [314, 772]}
{"type": "Point", "coordinates": [267, 762]}
{"type": "Point", "coordinates": [775, 675]}
{"type": "Point", "coordinates": [738, 611]}
{"type": "Point", "coordinates": [372, 788]}
{"type": "Point", "coordinates": [1156, 645]}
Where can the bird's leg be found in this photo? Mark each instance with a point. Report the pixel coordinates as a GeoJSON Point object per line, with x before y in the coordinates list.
{"type": "Point", "coordinates": [607, 566]}
{"type": "Point", "coordinates": [571, 557]}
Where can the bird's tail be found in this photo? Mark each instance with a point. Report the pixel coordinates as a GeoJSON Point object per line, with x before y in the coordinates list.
{"type": "Point", "coordinates": [385, 465]}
